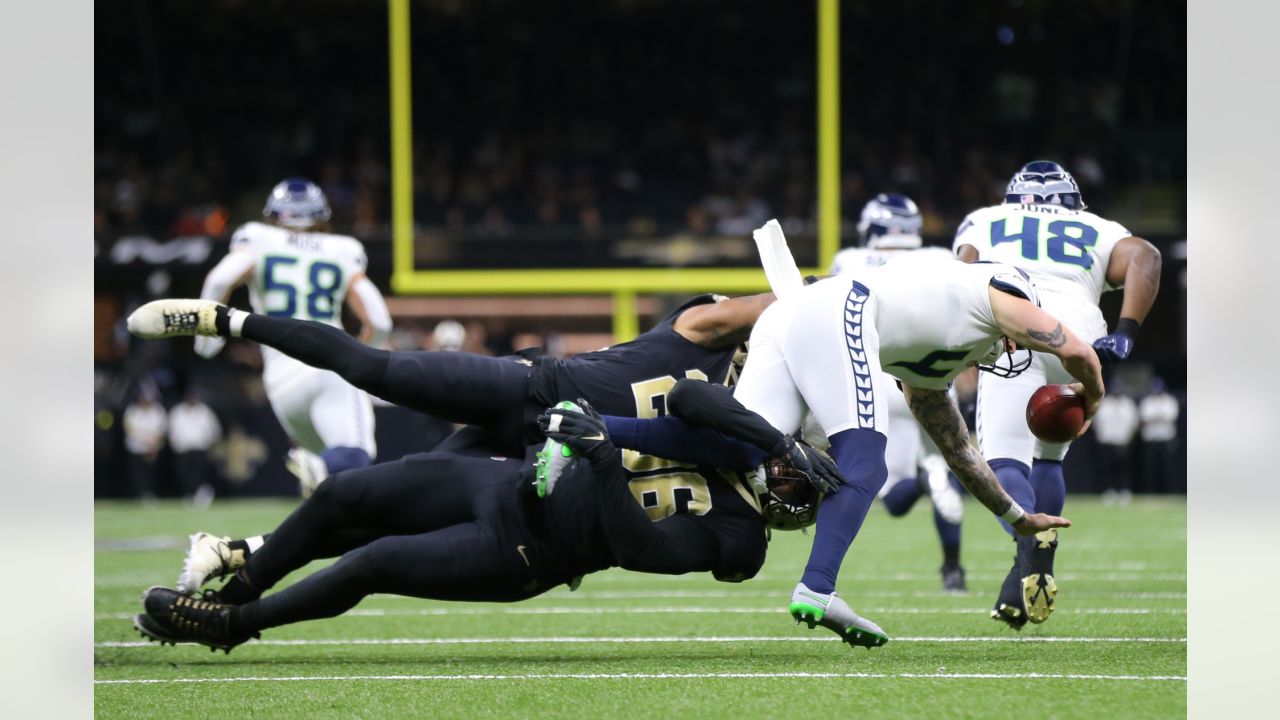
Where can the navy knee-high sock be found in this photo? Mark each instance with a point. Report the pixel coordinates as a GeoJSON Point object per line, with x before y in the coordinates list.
{"type": "Point", "coordinates": [1013, 477]}
{"type": "Point", "coordinates": [902, 496]}
{"type": "Point", "coordinates": [1049, 486]}
{"type": "Point", "coordinates": [337, 459]}
{"type": "Point", "coordinates": [860, 456]}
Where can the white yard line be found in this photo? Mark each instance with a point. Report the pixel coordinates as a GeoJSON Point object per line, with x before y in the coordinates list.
{"type": "Point", "coordinates": [670, 639]}
{"type": "Point", "coordinates": [684, 610]}
{"type": "Point", "coordinates": [653, 676]}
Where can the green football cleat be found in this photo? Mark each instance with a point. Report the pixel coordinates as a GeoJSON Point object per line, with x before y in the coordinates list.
{"type": "Point", "coordinates": [833, 613]}
{"type": "Point", "coordinates": [552, 459]}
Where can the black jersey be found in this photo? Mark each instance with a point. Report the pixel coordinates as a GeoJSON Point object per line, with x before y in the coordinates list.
{"type": "Point", "coordinates": [568, 523]}
{"type": "Point", "coordinates": [632, 379]}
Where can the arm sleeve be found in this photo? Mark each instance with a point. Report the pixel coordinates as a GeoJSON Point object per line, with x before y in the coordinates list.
{"type": "Point", "coordinates": [712, 406]}
{"type": "Point", "coordinates": [671, 546]}
{"type": "Point", "coordinates": [375, 307]}
{"type": "Point", "coordinates": [674, 439]}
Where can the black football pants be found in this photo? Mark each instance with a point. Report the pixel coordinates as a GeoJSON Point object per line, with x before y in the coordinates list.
{"type": "Point", "coordinates": [430, 525]}
{"type": "Point", "coordinates": [491, 393]}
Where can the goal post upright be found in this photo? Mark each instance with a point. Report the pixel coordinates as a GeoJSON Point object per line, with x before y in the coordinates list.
{"type": "Point", "coordinates": [622, 284]}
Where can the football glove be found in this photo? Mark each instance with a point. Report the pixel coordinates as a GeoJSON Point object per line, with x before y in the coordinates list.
{"type": "Point", "coordinates": [1116, 347]}
{"type": "Point", "coordinates": [819, 468]}
{"type": "Point", "coordinates": [584, 431]}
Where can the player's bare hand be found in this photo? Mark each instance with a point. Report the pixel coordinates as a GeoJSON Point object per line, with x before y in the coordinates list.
{"type": "Point", "coordinates": [1032, 523]}
{"type": "Point", "coordinates": [1091, 402]}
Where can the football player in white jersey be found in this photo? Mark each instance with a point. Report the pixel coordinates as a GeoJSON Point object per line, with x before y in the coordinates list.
{"type": "Point", "coordinates": [890, 227]}
{"type": "Point", "coordinates": [923, 320]}
{"type": "Point", "coordinates": [1073, 256]}
{"type": "Point", "coordinates": [295, 269]}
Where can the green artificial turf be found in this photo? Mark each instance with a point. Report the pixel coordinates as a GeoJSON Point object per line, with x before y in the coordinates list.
{"type": "Point", "coordinates": [627, 645]}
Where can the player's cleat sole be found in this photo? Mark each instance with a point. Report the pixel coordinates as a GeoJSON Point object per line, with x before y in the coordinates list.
{"type": "Point", "coordinates": [208, 556]}
{"type": "Point", "coordinates": [1039, 589]}
{"type": "Point", "coordinates": [179, 618]}
{"type": "Point", "coordinates": [1039, 592]}
{"type": "Point", "coordinates": [151, 630]}
{"type": "Point", "coordinates": [174, 318]}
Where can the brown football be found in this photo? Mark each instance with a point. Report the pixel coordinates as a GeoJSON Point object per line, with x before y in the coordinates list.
{"type": "Point", "coordinates": [1055, 413]}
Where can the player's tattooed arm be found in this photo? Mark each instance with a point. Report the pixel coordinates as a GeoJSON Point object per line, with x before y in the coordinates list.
{"type": "Point", "coordinates": [722, 324]}
{"type": "Point", "coordinates": [939, 417]}
{"type": "Point", "coordinates": [1055, 338]}
{"type": "Point", "coordinates": [1031, 327]}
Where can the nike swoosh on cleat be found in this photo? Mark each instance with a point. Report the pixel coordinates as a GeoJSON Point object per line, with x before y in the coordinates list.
{"type": "Point", "coordinates": [597, 436]}
{"type": "Point", "coordinates": [520, 549]}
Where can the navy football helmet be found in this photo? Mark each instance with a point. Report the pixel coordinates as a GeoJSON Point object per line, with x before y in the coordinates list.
{"type": "Point", "coordinates": [890, 221]}
{"type": "Point", "coordinates": [296, 203]}
{"type": "Point", "coordinates": [1042, 181]}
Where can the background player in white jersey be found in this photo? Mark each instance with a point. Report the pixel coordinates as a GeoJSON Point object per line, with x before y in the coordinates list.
{"type": "Point", "coordinates": [294, 269]}
{"type": "Point", "coordinates": [1073, 256]}
{"type": "Point", "coordinates": [821, 348]}
{"type": "Point", "coordinates": [890, 227]}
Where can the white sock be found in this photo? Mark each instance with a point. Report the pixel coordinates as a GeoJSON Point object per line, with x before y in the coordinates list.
{"type": "Point", "coordinates": [254, 542]}
{"type": "Point", "coordinates": [235, 322]}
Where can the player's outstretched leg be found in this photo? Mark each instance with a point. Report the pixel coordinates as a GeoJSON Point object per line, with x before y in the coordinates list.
{"type": "Point", "coordinates": [833, 613]}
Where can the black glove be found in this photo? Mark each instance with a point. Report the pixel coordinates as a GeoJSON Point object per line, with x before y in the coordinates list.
{"type": "Point", "coordinates": [584, 431]}
{"type": "Point", "coordinates": [820, 469]}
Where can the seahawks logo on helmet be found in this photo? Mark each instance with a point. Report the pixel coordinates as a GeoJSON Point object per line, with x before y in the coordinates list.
{"type": "Point", "coordinates": [1046, 182]}
{"type": "Point", "coordinates": [296, 203]}
{"type": "Point", "coordinates": [890, 221]}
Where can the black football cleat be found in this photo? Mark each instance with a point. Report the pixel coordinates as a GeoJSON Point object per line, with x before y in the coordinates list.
{"type": "Point", "coordinates": [1011, 606]}
{"type": "Point", "coordinates": [953, 579]}
{"type": "Point", "coordinates": [179, 618]}
{"type": "Point", "coordinates": [150, 630]}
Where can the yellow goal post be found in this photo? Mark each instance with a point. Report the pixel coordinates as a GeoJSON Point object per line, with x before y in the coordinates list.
{"type": "Point", "coordinates": [623, 284]}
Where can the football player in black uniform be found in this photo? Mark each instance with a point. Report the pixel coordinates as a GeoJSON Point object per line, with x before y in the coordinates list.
{"type": "Point", "coordinates": [453, 527]}
{"type": "Point", "coordinates": [499, 397]}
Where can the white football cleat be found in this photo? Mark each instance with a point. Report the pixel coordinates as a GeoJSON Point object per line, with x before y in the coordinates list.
{"type": "Point", "coordinates": [308, 467]}
{"type": "Point", "coordinates": [833, 613]}
{"type": "Point", "coordinates": [174, 318]}
{"type": "Point", "coordinates": [946, 499]}
{"type": "Point", "coordinates": [209, 556]}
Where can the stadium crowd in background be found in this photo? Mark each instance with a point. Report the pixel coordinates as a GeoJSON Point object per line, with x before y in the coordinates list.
{"type": "Point", "coordinates": [597, 149]}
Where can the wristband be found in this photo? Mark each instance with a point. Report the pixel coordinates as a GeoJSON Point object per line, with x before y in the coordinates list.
{"type": "Point", "coordinates": [1128, 326]}
{"type": "Point", "coordinates": [1013, 514]}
